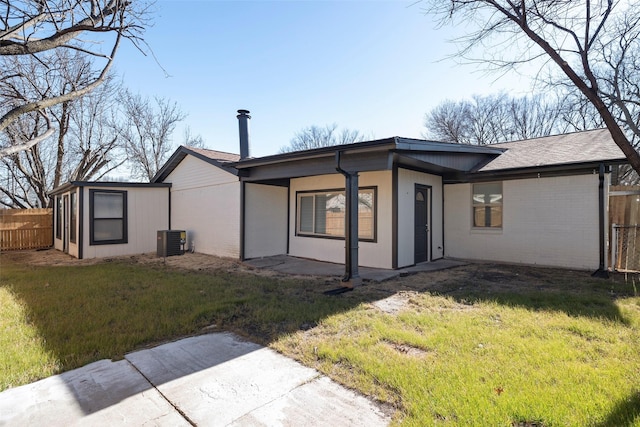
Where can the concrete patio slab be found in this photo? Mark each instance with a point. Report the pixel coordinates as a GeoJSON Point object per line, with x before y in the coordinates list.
{"type": "Point", "coordinates": [216, 387]}
{"type": "Point", "coordinates": [230, 382]}
{"type": "Point", "coordinates": [208, 380]}
{"type": "Point", "coordinates": [300, 266]}
{"type": "Point", "coordinates": [100, 394]}
{"type": "Point", "coordinates": [332, 405]}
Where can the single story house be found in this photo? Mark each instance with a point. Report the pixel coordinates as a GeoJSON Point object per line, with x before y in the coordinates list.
{"type": "Point", "coordinates": [387, 203]}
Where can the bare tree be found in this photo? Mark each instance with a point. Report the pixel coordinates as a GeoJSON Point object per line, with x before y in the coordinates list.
{"type": "Point", "coordinates": [146, 127]}
{"type": "Point", "coordinates": [593, 44]}
{"type": "Point", "coordinates": [535, 116]}
{"type": "Point", "coordinates": [317, 137]}
{"type": "Point", "coordinates": [29, 28]}
{"type": "Point", "coordinates": [488, 119]}
{"type": "Point", "coordinates": [191, 140]}
{"type": "Point", "coordinates": [449, 122]}
{"type": "Point", "coordinates": [93, 146]}
{"type": "Point", "coordinates": [578, 114]}
{"type": "Point", "coordinates": [494, 118]}
{"type": "Point", "coordinates": [81, 149]}
{"type": "Point", "coordinates": [24, 174]}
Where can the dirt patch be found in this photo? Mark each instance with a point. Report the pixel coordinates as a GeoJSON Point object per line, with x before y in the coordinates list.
{"type": "Point", "coordinates": [408, 350]}
{"type": "Point", "coordinates": [189, 261]}
{"type": "Point", "coordinates": [393, 304]}
{"type": "Point", "coordinates": [495, 278]}
{"type": "Point", "coordinates": [470, 279]}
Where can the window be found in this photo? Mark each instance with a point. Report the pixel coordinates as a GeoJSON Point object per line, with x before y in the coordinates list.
{"type": "Point", "coordinates": [322, 213]}
{"type": "Point", "coordinates": [59, 217]}
{"type": "Point", "coordinates": [487, 205]}
{"type": "Point", "coordinates": [108, 213]}
{"type": "Point", "coordinates": [73, 217]}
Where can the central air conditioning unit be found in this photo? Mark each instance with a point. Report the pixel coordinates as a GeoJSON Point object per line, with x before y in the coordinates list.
{"type": "Point", "coordinates": [171, 242]}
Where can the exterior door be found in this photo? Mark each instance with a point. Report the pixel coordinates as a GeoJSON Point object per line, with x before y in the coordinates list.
{"type": "Point", "coordinates": [422, 239]}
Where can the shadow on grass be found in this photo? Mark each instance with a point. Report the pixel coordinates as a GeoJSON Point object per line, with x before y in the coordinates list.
{"type": "Point", "coordinates": [626, 413]}
{"type": "Point", "coordinates": [86, 313]}
{"type": "Point", "coordinates": [575, 293]}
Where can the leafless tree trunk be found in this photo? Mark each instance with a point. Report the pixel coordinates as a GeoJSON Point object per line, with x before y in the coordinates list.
{"type": "Point", "coordinates": [578, 37]}
{"type": "Point", "coordinates": [29, 28]}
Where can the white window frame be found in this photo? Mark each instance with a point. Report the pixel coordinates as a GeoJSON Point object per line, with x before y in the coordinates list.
{"type": "Point", "coordinates": [495, 201]}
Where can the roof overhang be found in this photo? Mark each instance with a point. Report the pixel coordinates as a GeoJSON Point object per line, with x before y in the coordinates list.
{"type": "Point", "coordinates": [179, 155]}
{"type": "Point", "coordinates": [101, 184]}
{"type": "Point", "coordinates": [427, 156]}
{"type": "Point", "coordinates": [566, 169]}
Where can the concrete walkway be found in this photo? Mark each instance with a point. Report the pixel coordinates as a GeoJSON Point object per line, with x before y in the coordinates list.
{"type": "Point", "coordinates": [301, 266]}
{"type": "Point", "coordinates": [208, 380]}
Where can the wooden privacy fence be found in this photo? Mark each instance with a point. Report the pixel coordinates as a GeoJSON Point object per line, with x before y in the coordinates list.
{"type": "Point", "coordinates": [624, 218]}
{"type": "Point", "coordinates": [26, 229]}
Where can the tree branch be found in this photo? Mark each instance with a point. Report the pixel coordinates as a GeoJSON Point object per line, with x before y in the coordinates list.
{"type": "Point", "coordinates": [16, 112]}
{"type": "Point", "coordinates": [7, 151]}
{"type": "Point", "coordinates": [62, 36]}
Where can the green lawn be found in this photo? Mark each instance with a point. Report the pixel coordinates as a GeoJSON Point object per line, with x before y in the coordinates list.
{"type": "Point", "coordinates": [476, 345]}
{"type": "Point", "coordinates": [58, 318]}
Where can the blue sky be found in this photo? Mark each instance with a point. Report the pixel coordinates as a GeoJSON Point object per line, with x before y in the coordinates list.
{"type": "Point", "coordinates": [372, 66]}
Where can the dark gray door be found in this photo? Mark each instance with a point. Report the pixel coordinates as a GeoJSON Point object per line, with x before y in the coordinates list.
{"type": "Point", "coordinates": [422, 223]}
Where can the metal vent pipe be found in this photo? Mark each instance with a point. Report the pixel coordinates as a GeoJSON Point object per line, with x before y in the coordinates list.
{"type": "Point", "coordinates": [243, 127]}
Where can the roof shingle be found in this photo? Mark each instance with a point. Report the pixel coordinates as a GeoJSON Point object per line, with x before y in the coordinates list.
{"type": "Point", "coordinates": [220, 156]}
{"type": "Point", "coordinates": [579, 147]}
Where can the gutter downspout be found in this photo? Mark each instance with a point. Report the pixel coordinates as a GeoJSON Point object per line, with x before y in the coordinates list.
{"type": "Point", "coordinates": [351, 276]}
{"type": "Point", "coordinates": [601, 271]}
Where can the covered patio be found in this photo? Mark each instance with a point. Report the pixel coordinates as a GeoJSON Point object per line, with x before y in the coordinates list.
{"type": "Point", "coordinates": [307, 267]}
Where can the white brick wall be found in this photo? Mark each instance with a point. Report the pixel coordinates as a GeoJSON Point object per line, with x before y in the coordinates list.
{"type": "Point", "coordinates": [546, 221]}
